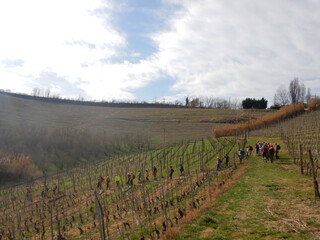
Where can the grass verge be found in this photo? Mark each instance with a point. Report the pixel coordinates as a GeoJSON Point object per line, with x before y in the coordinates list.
{"type": "Point", "coordinates": [270, 201]}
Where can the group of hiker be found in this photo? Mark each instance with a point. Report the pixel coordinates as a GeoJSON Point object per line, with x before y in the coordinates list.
{"type": "Point", "coordinates": [44, 191]}
{"type": "Point", "coordinates": [267, 151]}
{"type": "Point", "coordinates": [219, 162]}
{"type": "Point", "coordinates": [131, 177]}
{"type": "Point", "coordinates": [264, 149]}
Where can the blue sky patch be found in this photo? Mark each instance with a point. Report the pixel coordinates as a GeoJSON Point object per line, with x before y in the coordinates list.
{"type": "Point", "coordinates": [156, 90]}
{"type": "Point", "coordinates": [138, 20]}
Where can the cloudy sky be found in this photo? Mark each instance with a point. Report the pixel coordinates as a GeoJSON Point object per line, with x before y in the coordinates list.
{"type": "Point", "coordinates": [159, 49]}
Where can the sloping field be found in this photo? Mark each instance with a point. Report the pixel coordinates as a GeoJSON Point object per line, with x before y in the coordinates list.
{"type": "Point", "coordinates": [158, 124]}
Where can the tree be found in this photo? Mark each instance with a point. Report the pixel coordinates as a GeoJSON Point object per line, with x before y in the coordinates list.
{"type": "Point", "coordinates": [296, 91]}
{"type": "Point", "coordinates": [195, 102]}
{"type": "Point", "coordinates": [308, 96]}
{"type": "Point", "coordinates": [281, 97]}
{"type": "Point", "coordinates": [254, 103]}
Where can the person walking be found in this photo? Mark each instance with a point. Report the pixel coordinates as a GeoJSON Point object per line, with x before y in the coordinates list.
{"type": "Point", "coordinates": [265, 151]}
{"type": "Point", "coordinates": [218, 164]}
{"type": "Point", "coordinates": [277, 148]}
{"type": "Point", "coordinates": [100, 180]}
{"type": "Point", "coordinates": [181, 169]}
{"type": "Point", "coordinates": [271, 153]}
{"type": "Point", "coordinates": [171, 172]}
{"type": "Point", "coordinates": [54, 188]}
{"type": "Point", "coordinates": [117, 179]}
{"type": "Point", "coordinates": [241, 154]}
{"type": "Point", "coordinates": [132, 177]}
{"type": "Point", "coordinates": [257, 148]}
{"type": "Point", "coordinates": [139, 176]}
{"type": "Point", "coordinates": [249, 151]}
{"type": "Point", "coordinates": [108, 181]}
{"type": "Point", "coordinates": [147, 175]}
{"type": "Point", "coordinates": [226, 157]}
{"type": "Point", "coordinates": [27, 193]}
{"type": "Point", "coordinates": [154, 173]}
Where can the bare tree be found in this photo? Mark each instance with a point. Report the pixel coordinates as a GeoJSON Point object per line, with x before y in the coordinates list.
{"type": "Point", "coordinates": [47, 93]}
{"type": "Point", "coordinates": [296, 91]}
{"type": "Point", "coordinates": [36, 92]}
{"type": "Point", "coordinates": [195, 102]}
{"type": "Point", "coordinates": [281, 97]}
{"type": "Point", "coordinates": [308, 96]}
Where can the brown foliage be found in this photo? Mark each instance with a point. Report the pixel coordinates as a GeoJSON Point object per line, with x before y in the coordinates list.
{"type": "Point", "coordinates": [190, 216]}
{"type": "Point", "coordinates": [314, 103]}
{"type": "Point", "coordinates": [14, 167]}
{"type": "Point", "coordinates": [171, 233]}
{"type": "Point", "coordinates": [283, 113]}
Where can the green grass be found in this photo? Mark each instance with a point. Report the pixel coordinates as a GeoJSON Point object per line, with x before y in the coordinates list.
{"type": "Point", "coordinates": [260, 206]}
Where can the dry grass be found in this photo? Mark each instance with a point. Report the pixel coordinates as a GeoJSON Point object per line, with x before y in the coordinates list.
{"type": "Point", "coordinates": [314, 103]}
{"type": "Point", "coordinates": [171, 233]}
{"type": "Point", "coordinates": [190, 216]}
{"type": "Point", "coordinates": [283, 113]}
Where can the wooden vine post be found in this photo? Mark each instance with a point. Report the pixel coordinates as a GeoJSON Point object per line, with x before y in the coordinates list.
{"type": "Point", "coordinates": [300, 157]}
{"type": "Point", "coordinates": [51, 222]}
{"type": "Point", "coordinates": [315, 182]}
{"type": "Point", "coordinates": [165, 209]}
{"type": "Point", "coordinates": [144, 201]}
{"type": "Point", "coordinates": [234, 161]}
{"type": "Point", "coordinates": [100, 217]}
{"type": "Point", "coordinates": [191, 190]}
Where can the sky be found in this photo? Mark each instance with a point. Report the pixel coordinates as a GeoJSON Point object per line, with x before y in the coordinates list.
{"type": "Point", "coordinates": [159, 50]}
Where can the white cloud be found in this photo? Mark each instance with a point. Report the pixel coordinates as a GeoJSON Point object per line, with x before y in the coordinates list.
{"type": "Point", "coordinates": [74, 40]}
{"type": "Point", "coordinates": [240, 48]}
{"type": "Point", "coordinates": [215, 48]}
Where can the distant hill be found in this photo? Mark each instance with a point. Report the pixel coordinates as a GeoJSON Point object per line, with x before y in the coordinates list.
{"type": "Point", "coordinates": [92, 103]}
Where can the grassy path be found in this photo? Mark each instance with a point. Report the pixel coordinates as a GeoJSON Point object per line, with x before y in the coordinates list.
{"type": "Point", "coordinates": [270, 201]}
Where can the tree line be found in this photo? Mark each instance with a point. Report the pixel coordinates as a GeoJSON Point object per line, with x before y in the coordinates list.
{"type": "Point", "coordinates": [295, 93]}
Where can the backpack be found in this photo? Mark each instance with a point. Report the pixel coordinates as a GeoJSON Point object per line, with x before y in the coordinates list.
{"type": "Point", "coordinates": [251, 148]}
{"type": "Point", "coordinates": [242, 151]}
{"type": "Point", "coordinates": [278, 147]}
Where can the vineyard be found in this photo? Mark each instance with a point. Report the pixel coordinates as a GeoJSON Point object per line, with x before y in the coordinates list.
{"type": "Point", "coordinates": [300, 134]}
{"type": "Point", "coordinates": [146, 209]}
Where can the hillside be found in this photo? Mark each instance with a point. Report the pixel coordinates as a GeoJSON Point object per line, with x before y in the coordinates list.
{"type": "Point", "coordinates": [179, 123]}
{"type": "Point", "coordinates": [258, 200]}
{"type": "Point", "coordinates": [60, 135]}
